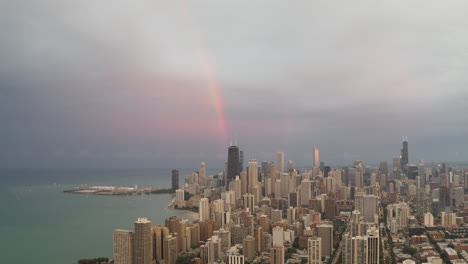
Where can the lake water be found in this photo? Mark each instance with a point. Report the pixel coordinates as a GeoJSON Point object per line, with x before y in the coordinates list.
{"type": "Point", "coordinates": [41, 224]}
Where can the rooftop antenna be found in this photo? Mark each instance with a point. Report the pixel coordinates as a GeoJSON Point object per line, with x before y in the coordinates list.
{"type": "Point", "coordinates": [235, 139]}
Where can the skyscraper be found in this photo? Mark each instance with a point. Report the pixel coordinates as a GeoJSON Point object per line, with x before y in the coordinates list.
{"type": "Point", "coordinates": [142, 242]}
{"type": "Point", "coordinates": [404, 155]}
{"type": "Point", "coordinates": [171, 250]}
{"type": "Point", "coordinates": [325, 232]}
{"type": "Point", "coordinates": [316, 158]}
{"type": "Point", "coordinates": [123, 246]}
{"type": "Point", "coordinates": [314, 248]}
{"type": "Point", "coordinates": [280, 162]}
{"type": "Point", "coordinates": [233, 164]}
{"type": "Point", "coordinates": [175, 179]}
{"type": "Point", "coordinates": [158, 234]}
{"type": "Point", "coordinates": [248, 247]}
{"type": "Point", "coordinates": [277, 255]}
{"type": "Point", "coordinates": [241, 160]}
{"type": "Point", "coordinates": [204, 209]}
{"type": "Point", "coordinates": [202, 174]}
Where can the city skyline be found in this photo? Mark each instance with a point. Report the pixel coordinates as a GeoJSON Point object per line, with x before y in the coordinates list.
{"type": "Point", "coordinates": [349, 80]}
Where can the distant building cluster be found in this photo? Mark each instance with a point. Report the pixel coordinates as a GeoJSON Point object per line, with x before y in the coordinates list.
{"type": "Point", "coordinates": [271, 213]}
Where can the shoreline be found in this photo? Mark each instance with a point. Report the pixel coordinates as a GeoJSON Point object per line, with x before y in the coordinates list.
{"type": "Point", "coordinates": [170, 207]}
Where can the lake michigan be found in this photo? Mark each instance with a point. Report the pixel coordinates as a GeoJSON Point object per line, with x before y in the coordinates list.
{"type": "Point", "coordinates": [39, 223]}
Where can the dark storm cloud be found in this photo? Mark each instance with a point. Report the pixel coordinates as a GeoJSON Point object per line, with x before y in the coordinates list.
{"type": "Point", "coordinates": [126, 83]}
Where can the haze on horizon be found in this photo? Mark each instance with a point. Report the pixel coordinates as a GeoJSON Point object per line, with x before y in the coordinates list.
{"type": "Point", "coordinates": [168, 84]}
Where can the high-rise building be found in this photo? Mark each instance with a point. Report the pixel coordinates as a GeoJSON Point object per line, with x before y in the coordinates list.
{"type": "Point", "coordinates": [404, 156]}
{"type": "Point", "coordinates": [175, 179]}
{"type": "Point", "coordinates": [202, 174]}
{"type": "Point", "coordinates": [248, 248]}
{"type": "Point", "coordinates": [314, 250]}
{"type": "Point", "coordinates": [316, 158]}
{"type": "Point", "coordinates": [253, 178]}
{"type": "Point", "coordinates": [280, 162]}
{"type": "Point", "coordinates": [306, 192]}
{"type": "Point", "coordinates": [241, 161]}
{"type": "Point", "coordinates": [370, 203]}
{"type": "Point", "coordinates": [372, 246]}
{"type": "Point", "coordinates": [249, 201]}
{"type": "Point", "coordinates": [330, 209]}
{"type": "Point", "coordinates": [123, 246]}
{"type": "Point", "coordinates": [204, 209]}
{"type": "Point", "coordinates": [233, 164]}
{"type": "Point", "coordinates": [325, 232]}
{"type": "Point", "coordinates": [171, 250]}
{"type": "Point", "coordinates": [158, 234]}
{"type": "Point", "coordinates": [142, 242]}
{"type": "Point", "coordinates": [277, 255]}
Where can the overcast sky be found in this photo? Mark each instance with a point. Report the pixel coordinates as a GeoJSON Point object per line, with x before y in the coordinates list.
{"type": "Point", "coordinates": [116, 83]}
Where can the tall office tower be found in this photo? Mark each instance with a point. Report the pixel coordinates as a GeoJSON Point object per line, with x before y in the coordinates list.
{"type": "Point", "coordinates": [248, 248]}
{"type": "Point", "coordinates": [253, 177]}
{"type": "Point", "coordinates": [244, 182]}
{"type": "Point", "coordinates": [171, 250]}
{"type": "Point", "coordinates": [396, 164]}
{"type": "Point", "coordinates": [249, 201]}
{"type": "Point", "coordinates": [182, 235]}
{"type": "Point", "coordinates": [204, 209]}
{"type": "Point", "coordinates": [383, 167]}
{"type": "Point", "coordinates": [359, 177]}
{"type": "Point", "coordinates": [458, 196]}
{"type": "Point", "coordinates": [230, 197]}
{"type": "Point", "coordinates": [316, 158]}
{"type": "Point", "coordinates": [404, 156]}
{"type": "Point", "coordinates": [277, 255]}
{"type": "Point", "coordinates": [325, 232]}
{"type": "Point", "coordinates": [284, 184]}
{"type": "Point", "coordinates": [291, 215]}
{"type": "Point", "coordinates": [236, 186]}
{"type": "Point", "coordinates": [202, 174]}
{"type": "Point", "coordinates": [123, 246]}
{"type": "Point", "coordinates": [370, 203]}
{"type": "Point", "coordinates": [359, 202]}
{"type": "Point", "coordinates": [292, 175]}
{"type": "Point", "coordinates": [265, 223]}
{"type": "Point", "coordinates": [306, 192]}
{"type": "Point", "coordinates": [234, 257]}
{"type": "Point", "coordinates": [241, 160]}
{"type": "Point", "coordinates": [265, 170]}
{"type": "Point", "coordinates": [330, 209]}
{"type": "Point", "coordinates": [428, 220]}
{"type": "Point", "coordinates": [175, 179]}
{"type": "Point", "coordinates": [290, 165]}
{"type": "Point", "coordinates": [273, 171]}
{"type": "Point", "coordinates": [158, 233]}
{"type": "Point", "coordinates": [142, 242]}
{"type": "Point", "coordinates": [258, 238]}
{"type": "Point", "coordinates": [180, 202]}
{"type": "Point", "coordinates": [225, 237]}
{"type": "Point", "coordinates": [372, 246]}
{"type": "Point", "coordinates": [267, 242]}
{"type": "Point", "coordinates": [233, 164]}
{"type": "Point", "coordinates": [278, 236]}
{"type": "Point", "coordinates": [314, 250]}
{"type": "Point", "coordinates": [280, 162]}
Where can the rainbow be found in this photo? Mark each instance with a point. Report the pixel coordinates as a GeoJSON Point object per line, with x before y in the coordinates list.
{"type": "Point", "coordinates": [209, 71]}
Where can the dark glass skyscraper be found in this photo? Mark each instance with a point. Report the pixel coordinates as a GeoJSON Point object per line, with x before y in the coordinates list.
{"type": "Point", "coordinates": [404, 156]}
{"type": "Point", "coordinates": [175, 179]}
{"type": "Point", "coordinates": [241, 161]}
{"type": "Point", "coordinates": [233, 164]}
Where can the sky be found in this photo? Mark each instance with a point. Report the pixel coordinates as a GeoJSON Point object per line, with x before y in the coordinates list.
{"type": "Point", "coordinates": [120, 83]}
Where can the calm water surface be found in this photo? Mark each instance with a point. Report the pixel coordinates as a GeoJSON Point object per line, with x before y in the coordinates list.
{"type": "Point", "coordinates": [41, 224]}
